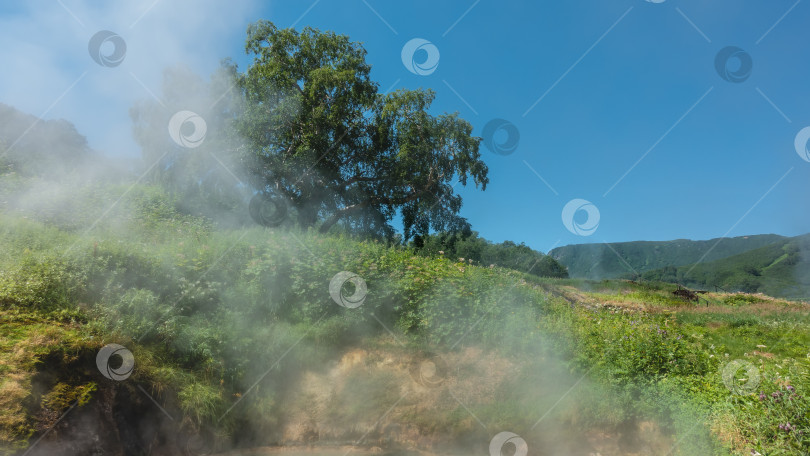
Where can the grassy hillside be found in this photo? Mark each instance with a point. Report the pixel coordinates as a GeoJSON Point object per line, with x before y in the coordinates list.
{"type": "Point", "coordinates": [601, 261]}
{"type": "Point", "coordinates": [778, 269]}
{"type": "Point", "coordinates": [483, 252]}
{"type": "Point", "coordinates": [235, 337]}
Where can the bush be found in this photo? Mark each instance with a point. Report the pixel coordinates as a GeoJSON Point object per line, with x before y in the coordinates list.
{"type": "Point", "coordinates": [43, 284]}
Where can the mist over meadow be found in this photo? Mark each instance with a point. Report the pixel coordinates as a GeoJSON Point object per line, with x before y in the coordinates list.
{"type": "Point", "coordinates": [233, 229]}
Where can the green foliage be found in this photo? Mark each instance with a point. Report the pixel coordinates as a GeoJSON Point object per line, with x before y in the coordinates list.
{"type": "Point", "coordinates": [46, 284]}
{"type": "Point", "coordinates": [321, 136]}
{"type": "Point", "coordinates": [208, 312]}
{"type": "Point", "coordinates": [627, 259]}
{"type": "Point", "coordinates": [775, 418]}
{"type": "Point", "coordinates": [631, 349]}
{"type": "Point", "coordinates": [203, 181]}
{"type": "Point", "coordinates": [200, 401]}
{"type": "Point", "coordinates": [479, 251]}
{"type": "Point", "coordinates": [741, 299]}
{"type": "Point", "coordinates": [778, 269]}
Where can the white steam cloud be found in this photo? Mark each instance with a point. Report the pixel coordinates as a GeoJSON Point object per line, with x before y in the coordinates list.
{"type": "Point", "coordinates": [49, 72]}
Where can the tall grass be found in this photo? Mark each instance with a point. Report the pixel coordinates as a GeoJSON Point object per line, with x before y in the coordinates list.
{"type": "Point", "coordinates": [209, 311]}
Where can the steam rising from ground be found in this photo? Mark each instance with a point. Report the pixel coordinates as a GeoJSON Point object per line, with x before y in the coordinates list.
{"type": "Point", "coordinates": [173, 52]}
{"type": "Point", "coordinates": [171, 49]}
{"type": "Point", "coordinates": [47, 68]}
{"type": "Point", "coordinates": [369, 390]}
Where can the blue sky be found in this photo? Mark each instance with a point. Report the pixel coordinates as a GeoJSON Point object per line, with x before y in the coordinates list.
{"type": "Point", "coordinates": [591, 86]}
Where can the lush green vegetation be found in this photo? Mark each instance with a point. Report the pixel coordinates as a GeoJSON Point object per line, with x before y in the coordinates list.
{"type": "Point", "coordinates": [477, 250]}
{"type": "Point", "coordinates": [620, 259]}
{"type": "Point", "coordinates": [206, 311]}
{"type": "Point", "coordinates": [778, 269]}
{"type": "Point", "coordinates": [236, 333]}
{"type": "Point", "coordinates": [308, 128]}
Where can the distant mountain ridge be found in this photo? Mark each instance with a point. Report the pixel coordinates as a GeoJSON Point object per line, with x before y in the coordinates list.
{"type": "Point", "coordinates": [780, 269]}
{"type": "Point", "coordinates": [613, 260]}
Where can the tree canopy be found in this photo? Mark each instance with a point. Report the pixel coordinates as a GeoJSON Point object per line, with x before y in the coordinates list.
{"type": "Point", "coordinates": [320, 135]}
{"type": "Point", "coordinates": [467, 245]}
{"type": "Point", "coordinates": [205, 179]}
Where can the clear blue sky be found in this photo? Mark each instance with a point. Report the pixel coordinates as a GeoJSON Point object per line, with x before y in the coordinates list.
{"type": "Point", "coordinates": [616, 78]}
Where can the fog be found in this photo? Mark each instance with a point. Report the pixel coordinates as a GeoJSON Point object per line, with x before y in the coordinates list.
{"type": "Point", "coordinates": [390, 379]}
{"type": "Point", "coordinates": [51, 74]}
{"type": "Point", "coordinates": [81, 143]}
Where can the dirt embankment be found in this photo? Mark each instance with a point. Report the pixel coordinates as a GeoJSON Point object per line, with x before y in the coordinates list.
{"type": "Point", "coordinates": [367, 401]}
{"type": "Point", "coordinates": [116, 418]}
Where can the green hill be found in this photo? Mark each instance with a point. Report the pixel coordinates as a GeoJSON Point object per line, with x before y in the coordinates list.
{"type": "Point", "coordinates": [778, 269]}
{"type": "Point", "coordinates": [603, 261]}
{"type": "Point", "coordinates": [339, 339]}
{"type": "Point", "coordinates": [438, 345]}
{"type": "Point", "coordinates": [481, 252]}
{"type": "Point", "coordinates": [212, 315]}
